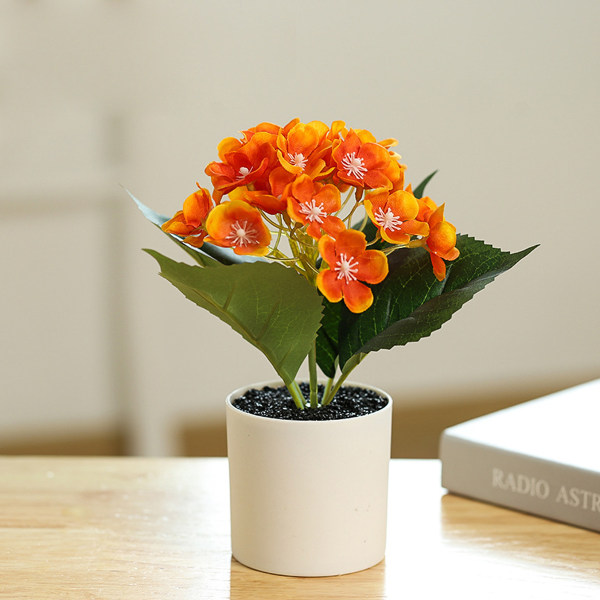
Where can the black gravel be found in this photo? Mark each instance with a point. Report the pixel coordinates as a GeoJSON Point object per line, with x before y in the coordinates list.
{"type": "Point", "coordinates": [277, 403]}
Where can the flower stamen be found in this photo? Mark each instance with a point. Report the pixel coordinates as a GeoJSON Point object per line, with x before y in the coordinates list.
{"type": "Point", "coordinates": [388, 220]}
{"type": "Point", "coordinates": [243, 172]}
{"type": "Point", "coordinates": [346, 268]}
{"type": "Point", "coordinates": [354, 165]}
{"type": "Point", "coordinates": [312, 211]}
{"type": "Point", "coordinates": [242, 234]}
{"type": "Point", "coordinates": [298, 160]}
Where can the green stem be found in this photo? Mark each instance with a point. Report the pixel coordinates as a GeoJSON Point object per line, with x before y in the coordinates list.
{"type": "Point", "coordinates": [351, 214]}
{"type": "Point", "coordinates": [348, 368]}
{"type": "Point", "coordinates": [327, 389]}
{"type": "Point", "coordinates": [312, 370]}
{"type": "Point", "coordinates": [296, 394]}
{"type": "Point", "coordinates": [270, 221]}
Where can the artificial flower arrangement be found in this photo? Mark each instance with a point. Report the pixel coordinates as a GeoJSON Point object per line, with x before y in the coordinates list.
{"type": "Point", "coordinates": [312, 244]}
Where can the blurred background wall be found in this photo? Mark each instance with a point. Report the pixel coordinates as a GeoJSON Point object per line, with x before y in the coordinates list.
{"type": "Point", "coordinates": [100, 355]}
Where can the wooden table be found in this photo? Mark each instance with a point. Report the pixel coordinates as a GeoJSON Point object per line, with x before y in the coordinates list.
{"type": "Point", "coordinates": [133, 528]}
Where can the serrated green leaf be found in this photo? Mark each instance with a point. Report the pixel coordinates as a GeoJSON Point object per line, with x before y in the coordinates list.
{"type": "Point", "coordinates": [272, 307]}
{"type": "Point", "coordinates": [411, 304]}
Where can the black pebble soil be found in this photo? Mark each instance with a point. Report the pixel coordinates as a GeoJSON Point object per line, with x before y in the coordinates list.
{"type": "Point", "coordinates": [277, 403]}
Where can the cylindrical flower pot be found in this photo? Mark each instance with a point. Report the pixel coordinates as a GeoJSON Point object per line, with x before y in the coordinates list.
{"type": "Point", "coordinates": [308, 498]}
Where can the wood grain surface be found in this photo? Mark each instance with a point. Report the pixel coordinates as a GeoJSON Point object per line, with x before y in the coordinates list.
{"type": "Point", "coordinates": [133, 528]}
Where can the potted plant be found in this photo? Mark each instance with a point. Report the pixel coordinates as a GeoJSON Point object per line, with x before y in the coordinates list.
{"type": "Point", "coordinates": [313, 246]}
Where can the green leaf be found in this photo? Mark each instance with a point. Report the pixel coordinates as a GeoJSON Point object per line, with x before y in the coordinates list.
{"type": "Point", "coordinates": [207, 256]}
{"type": "Point", "coordinates": [272, 307]}
{"type": "Point", "coordinates": [328, 338]}
{"type": "Point", "coordinates": [411, 303]}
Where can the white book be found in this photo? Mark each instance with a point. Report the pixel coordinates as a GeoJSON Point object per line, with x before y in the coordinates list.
{"type": "Point", "coordinates": [541, 457]}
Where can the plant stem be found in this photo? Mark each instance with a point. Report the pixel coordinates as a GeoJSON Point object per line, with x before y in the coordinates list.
{"type": "Point", "coordinates": [327, 389]}
{"type": "Point", "coordinates": [348, 368]}
{"type": "Point", "coordinates": [296, 393]}
{"type": "Point", "coordinates": [345, 201]}
{"type": "Point", "coordinates": [270, 221]}
{"type": "Point", "coordinates": [312, 370]}
{"type": "Point", "coordinates": [351, 214]}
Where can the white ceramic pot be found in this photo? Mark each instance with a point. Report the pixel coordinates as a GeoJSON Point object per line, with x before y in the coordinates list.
{"type": "Point", "coordinates": [308, 498]}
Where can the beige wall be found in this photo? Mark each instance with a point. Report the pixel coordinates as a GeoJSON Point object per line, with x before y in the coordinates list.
{"type": "Point", "coordinates": [501, 97]}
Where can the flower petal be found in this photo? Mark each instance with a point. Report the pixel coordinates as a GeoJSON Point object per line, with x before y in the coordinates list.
{"type": "Point", "coordinates": [177, 225]}
{"type": "Point", "coordinates": [351, 242]}
{"type": "Point", "coordinates": [398, 237]}
{"type": "Point", "coordinates": [227, 145]}
{"type": "Point", "coordinates": [426, 208]}
{"type": "Point", "coordinates": [375, 156]}
{"type": "Point", "coordinates": [436, 217]}
{"type": "Point", "coordinates": [337, 128]}
{"type": "Point", "coordinates": [442, 238]}
{"type": "Point", "coordinates": [329, 285]}
{"type": "Point", "coordinates": [303, 189]}
{"type": "Point", "coordinates": [404, 205]}
{"type": "Point", "coordinates": [330, 196]}
{"type": "Point", "coordinates": [327, 250]}
{"type": "Point", "coordinates": [415, 228]}
{"type": "Point", "coordinates": [439, 267]}
{"type": "Point", "coordinates": [196, 237]}
{"type": "Point", "coordinates": [333, 226]}
{"type": "Point", "coordinates": [357, 296]}
{"type": "Point", "coordinates": [267, 202]}
{"type": "Point", "coordinates": [372, 266]}
{"type": "Point", "coordinates": [377, 179]}
{"type": "Point", "coordinates": [196, 206]}
{"type": "Point", "coordinates": [375, 200]}
{"type": "Point", "coordinates": [279, 179]}
{"type": "Point", "coordinates": [302, 138]}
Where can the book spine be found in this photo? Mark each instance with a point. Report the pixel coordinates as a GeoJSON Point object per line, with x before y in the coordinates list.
{"type": "Point", "coordinates": [532, 485]}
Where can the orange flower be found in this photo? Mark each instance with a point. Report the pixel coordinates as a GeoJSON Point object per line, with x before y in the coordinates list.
{"type": "Point", "coordinates": [238, 225]}
{"type": "Point", "coordinates": [243, 164]}
{"type": "Point", "coordinates": [441, 241]}
{"type": "Point", "coordinates": [302, 149]}
{"type": "Point", "coordinates": [188, 223]}
{"type": "Point", "coordinates": [312, 203]}
{"type": "Point", "coordinates": [364, 164]}
{"type": "Point", "coordinates": [395, 215]}
{"type": "Point", "coordinates": [350, 263]}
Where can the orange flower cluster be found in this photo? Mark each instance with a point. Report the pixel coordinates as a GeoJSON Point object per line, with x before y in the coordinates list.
{"type": "Point", "coordinates": [289, 181]}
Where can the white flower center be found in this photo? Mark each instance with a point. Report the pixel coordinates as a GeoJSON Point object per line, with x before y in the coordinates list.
{"type": "Point", "coordinates": [312, 211]}
{"type": "Point", "coordinates": [243, 172]}
{"type": "Point", "coordinates": [354, 165]}
{"type": "Point", "coordinates": [387, 220]}
{"type": "Point", "coordinates": [298, 160]}
{"type": "Point", "coordinates": [346, 268]}
{"type": "Point", "coordinates": [241, 233]}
